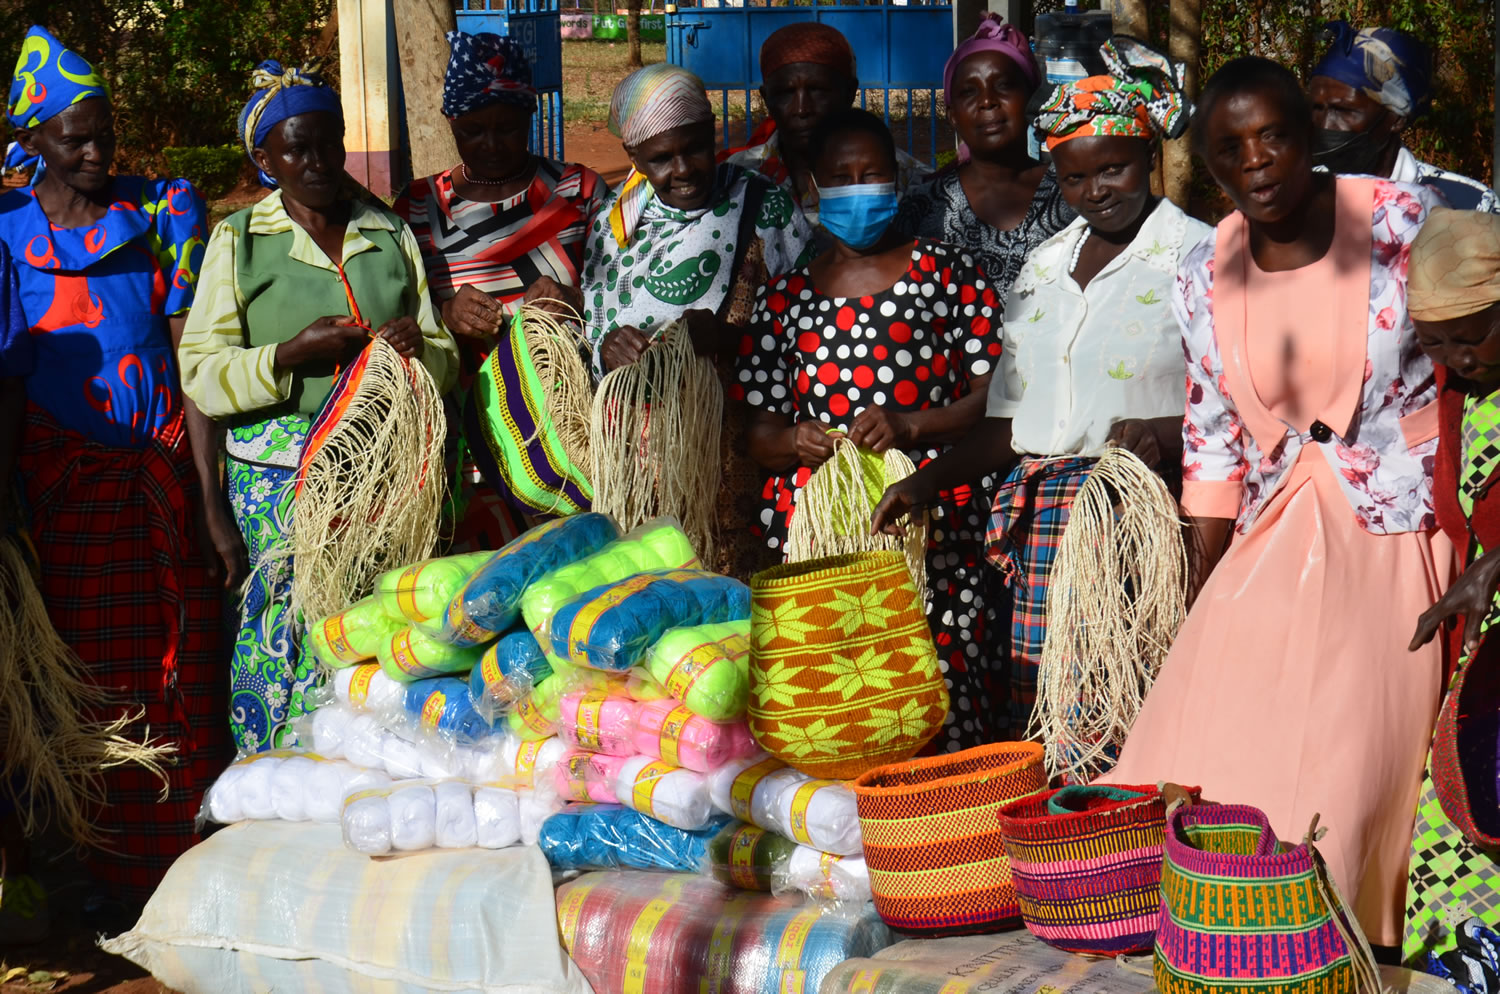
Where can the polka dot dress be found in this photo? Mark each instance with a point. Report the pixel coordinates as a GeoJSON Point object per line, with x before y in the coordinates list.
{"type": "Point", "coordinates": [915, 346]}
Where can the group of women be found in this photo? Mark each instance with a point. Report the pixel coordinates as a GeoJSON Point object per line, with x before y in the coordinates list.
{"type": "Point", "coordinates": [1001, 322]}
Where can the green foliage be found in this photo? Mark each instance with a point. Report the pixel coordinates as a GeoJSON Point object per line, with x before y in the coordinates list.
{"type": "Point", "coordinates": [179, 69]}
{"type": "Point", "coordinates": [213, 169]}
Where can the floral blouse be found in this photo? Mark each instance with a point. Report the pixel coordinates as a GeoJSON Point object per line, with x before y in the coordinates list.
{"type": "Point", "coordinates": [1379, 430]}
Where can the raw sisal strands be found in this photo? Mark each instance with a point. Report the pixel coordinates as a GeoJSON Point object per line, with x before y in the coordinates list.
{"type": "Point", "coordinates": [555, 343]}
{"type": "Point", "coordinates": [369, 497]}
{"type": "Point", "coordinates": [833, 511]}
{"type": "Point", "coordinates": [54, 752]}
{"type": "Point", "coordinates": [654, 439]}
{"type": "Point", "coordinates": [1117, 595]}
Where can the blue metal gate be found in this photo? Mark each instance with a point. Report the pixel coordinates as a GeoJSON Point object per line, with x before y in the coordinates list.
{"type": "Point", "coordinates": [537, 25]}
{"type": "Point", "coordinates": [900, 48]}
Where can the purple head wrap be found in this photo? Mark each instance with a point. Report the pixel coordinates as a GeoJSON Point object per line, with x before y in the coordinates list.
{"type": "Point", "coordinates": [992, 35]}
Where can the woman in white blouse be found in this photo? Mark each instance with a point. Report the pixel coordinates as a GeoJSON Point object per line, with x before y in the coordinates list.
{"type": "Point", "coordinates": [1092, 355]}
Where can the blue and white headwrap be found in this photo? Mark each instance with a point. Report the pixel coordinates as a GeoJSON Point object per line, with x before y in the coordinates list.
{"type": "Point", "coordinates": [281, 93]}
{"type": "Point", "coordinates": [49, 78]}
{"type": "Point", "coordinates": [1384, 64]}
{"type": "Point", "coordinates": [486, 69]}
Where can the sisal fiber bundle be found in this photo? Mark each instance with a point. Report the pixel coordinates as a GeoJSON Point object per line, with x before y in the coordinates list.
{"type": "Point", "coordinates": [370, 486]}
{"type": "Point", "coordinates": [654, 439]}
{"type": "Point", "coordinates": [833, 511]}
{"type": "Point", "coordinates": [1118, 595]}
{"type": "Point", "coordinates": [54, 751]}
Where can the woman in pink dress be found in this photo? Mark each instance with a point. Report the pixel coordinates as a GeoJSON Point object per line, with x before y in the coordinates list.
{"type": "Point", "coordinates": [1310, 433]}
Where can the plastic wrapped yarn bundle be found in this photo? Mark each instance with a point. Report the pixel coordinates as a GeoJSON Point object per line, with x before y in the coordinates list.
{"type": "Point", "coordinates": [419, 594]}
{"type": "Point", "coordinates": [608, 836]}
{"type": "Point", "coordinates": [576, 779]}
{"type": "Point", "coordinates": [490, 600]}
{"type": "Point", "coordinates": [497, 817]}
{"type": "Point", "coordinates": [599, 723]}
{"type": "Point", "coordinates": [453, 803]}
{"type": "Point", "coordinates": [668, 731]}
{"type": "Point", "coordinates": [820, 814]}
{"type": "Point", "coordinates": [705, 667]}
{"type": "Point", "coordinates": [612, 627]}
{"type": "Point", "coordinates": [751, 858]}
{"type": "Point", "coordinates": [411, 654]}
{"type": "Point", "coordinates": [367, 688]}
{"type": "Point", "coordinates": [351, 636]}
{"type": "Point", "coordinates": [536, 716]}
{"type": "Point", "coordinates": [658, 544]}
{"type": "Point", "coordinates": [413, 810]}
{"type": "Point", "coordinates": [679, 934]}
{"type": "Point", "coordinates": [669, 794]}
{"type": "Point", "coordinates": [286, 785]}
{"type": "Point", "coordinates": [826, 876]}
{"type": "Point", "coordinates": [506, 673]}
{"type": "Point", "coordinates": [640, 685]}
{"type": "Point", "coordinates": [535, 807]}
{"type": "Point", "coordinates": [441, 705]}
{"type": "Point", "coordinates": [327, 727]}
{"type": "Point", "coordinates": [526, 760]}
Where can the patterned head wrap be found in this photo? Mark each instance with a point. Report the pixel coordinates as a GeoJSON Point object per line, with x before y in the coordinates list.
{"type": "Point", "coordinates": [1140, 98]}
{"type": "Point", "coordinates": [486, 69]}
{"type": "Point", "coordinates": [992, 35]}
{"type": "Point", "coordinates": [1455, 265]}
{"type": "Point", "coordinates": [49, 79]}
{"type": "Point", "coordinates": [279, 94]}
{"type": "Point", "coordinates": [807, 41]}
{"type": "Point", "coordinates": [647, 103]}
{"type": "Point", "coordinates": [1386, 65]}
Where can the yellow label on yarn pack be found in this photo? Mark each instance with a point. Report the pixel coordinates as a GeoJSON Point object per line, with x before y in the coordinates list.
{"type": "Point", "coordinates": [720, 964]}
{"type": "Point", "coordinates": [669, 739]}
{"type": "Point", "coordinates": [639, 944]}
{"type": "Point", "coordinates": [789, 950]}
{"type": "Point", "coordinates": [531, 716]}
{"type": "Point", "coordinates": [489, 670]}
{"type": "Point", "coordinates": [690, 667]}
{"type": "Point", "coordinates": [586, 726]}
{"type": "Point", "coordinates": [359, 684]}
{"type": "Point", "coordinates": [800, 802]}
{"type": "Point", "coordinates": [406, 659]}
{"type": "Point", "coordinates": [743, 789]}
{"type": "Point", "coordinates": [406, 592]}
{"type": "Point", "coordinates": [824, 886]}
{"type": "Point", "coordinates": [432, 709]}
{"type": "Point", "coordinates": [338, 639]}
{"type": "Point", "coordinates": [864, 982]}
{"type": "Point", "coordinates": [644, 788]}
{"type": "Point", "coordinates": [577, 786]}
{"type": "Point", "coordinates": [588, 615]}
{"type": "Point", "coordinates": [526, 757]}
{"type": "Point", "coordinates": [568, 909]}
{"type": "Point", "coordinates": [742, 857]}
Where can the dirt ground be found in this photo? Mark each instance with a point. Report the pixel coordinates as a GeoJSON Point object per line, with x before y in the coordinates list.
{"type": "Point", "coordinates": [70, 961]}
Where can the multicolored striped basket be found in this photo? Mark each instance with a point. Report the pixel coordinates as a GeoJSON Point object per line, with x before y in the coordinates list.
{"type": "Point", "coordinates": [1086, 862]}
{"type": "Point", "coordinates": [1241, 916]}
{"type": "Point", "coordinates": [932, 840]}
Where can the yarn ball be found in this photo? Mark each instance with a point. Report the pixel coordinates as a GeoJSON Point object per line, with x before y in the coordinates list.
{"type": "Point", "coordinates": [507, 671]}
{"type": "Point", "coordinates": [442, 704]}
{"type": "Point", "coordinates": [411, 654]}
{"type": "Point", "coordinates": [351, 636]}
{"type": "Point", "coordinates": [612, 627]}
{"type": "Point", "coordinates": [419, 594]}
{"type": "Point", "coordinates": [706, 667]}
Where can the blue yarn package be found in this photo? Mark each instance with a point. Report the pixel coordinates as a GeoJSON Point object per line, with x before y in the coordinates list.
{"type": "Point", "coordinates": [609, 836]}
{"type": "Point", "coordinates": [612, 627]}
{"type": "Point", "coordinates": [490, 602]}
{"type": "Point", "coordinates": [442, 705]}
{"type": "Point", "coordinates": [506, 673]}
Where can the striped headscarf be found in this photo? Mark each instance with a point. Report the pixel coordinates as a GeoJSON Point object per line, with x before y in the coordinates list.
{"type": "Point", "coordinates": [49, 78]}
{"type": "Point", "coordinates": [1141, 97]}
{"type": "Point", "coordinates": [281, 93]}
{"type": "Point", "coordinates": [647, 103]}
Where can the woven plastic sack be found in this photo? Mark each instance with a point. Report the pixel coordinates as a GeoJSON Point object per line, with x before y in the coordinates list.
{"type": "Point", "coordinates": [609, 836]}
{"type": "Point", "coordinates": [1086, 862]}
{"type": "Point", "coordinates": [613, 626]}
{"type": "Point", "coordinates": [507, 672]}
{"type": "Point", "coordinates": [351, 636]}
{"type": "Point", "coordinates": [843, 673]}
{"type": "Point", "coordinates": [706, 667]}
{"type": "Point", "coordinates": [490, 601]}
{"type": "Point", "coordinates": [419, 594]}
{"type": "Point", "coordinates": [684, 934]}
{"type": "Point", "coordinates": [932, 840]}
{"type": "Point", "coordinates": [1238, 912]}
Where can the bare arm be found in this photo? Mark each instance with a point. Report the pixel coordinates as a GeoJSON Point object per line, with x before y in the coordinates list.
{"type": "Point", "coordinates": [780, 446]}
{"type": "Point", "coordinates": [985, 449]}
{"type": "Point", "coordinates": [1206, 541]}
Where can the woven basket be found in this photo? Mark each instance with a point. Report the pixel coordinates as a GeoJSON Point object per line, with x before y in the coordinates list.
{"type": "Point", "coordinates": [1089, 881]}
{"type": "Point", "coordinates": [932, 840]}
{"type": "Point", "coordinates": [1240, 915]}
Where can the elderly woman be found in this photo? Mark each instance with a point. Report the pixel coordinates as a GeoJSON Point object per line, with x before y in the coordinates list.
{"type": "Point", "coordinates": [999, 203]}
{"type": "Point", "coordinates": [1090, 352]}
{"type": "Point", "coordinates": [684, 238]}
{"type": "Point", "coordinates": [1310, 435]}
{"type": "Point", "coordinates": [1369, 87]}
{"type": "Point", "coordinates": [888, 339]}
{"type": "Point", "coordinates": [292, 288]}
{"type": "Point", "coordinates": [502, 227]}
{"type": "Point", "coordinates": [119, 474]}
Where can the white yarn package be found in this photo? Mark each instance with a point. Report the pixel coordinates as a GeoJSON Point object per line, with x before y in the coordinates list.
{"type": "Point", "coordinates": [415, 815]}
{"type": "Point", "coordinates": [819, 814]}
{"type": "Point", "coordinates": [670, 794]}
{"type": "Point", "coordinates": [286, 785]}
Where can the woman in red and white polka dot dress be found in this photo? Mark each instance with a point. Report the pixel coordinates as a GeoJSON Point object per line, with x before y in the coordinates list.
{"type": "Point", "coordinates": [892, 343]}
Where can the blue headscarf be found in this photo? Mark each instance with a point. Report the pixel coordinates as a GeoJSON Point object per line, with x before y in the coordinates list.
{"type": "Point", "coordinates": [279, 94]}
{"type": "Point", "coordinates": [49, 78]}
{"type": "Point", "coordinates": [1386, 65]}
{"type": "Point", "coordinates": [486, 69]}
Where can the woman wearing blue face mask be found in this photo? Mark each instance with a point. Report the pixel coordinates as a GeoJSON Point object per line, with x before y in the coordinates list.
{"type": "Point", "coordinates": [889, 339]}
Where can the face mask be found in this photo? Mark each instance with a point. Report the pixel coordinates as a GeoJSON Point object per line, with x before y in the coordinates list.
{"type": "Point", "coordinates": [1348, 151]}
{"type": "Point", "coordinates": [857, 215]}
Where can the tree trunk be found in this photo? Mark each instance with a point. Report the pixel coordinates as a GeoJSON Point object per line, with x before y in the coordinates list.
{"type": "Point", "coordinates": [633, 32]}
{"type": "Point", "coordinates": [1131, 18]}
{"type": "Point", "coordinates": [420, 27]}
{"type": "Point", "coordinates": [1186, 47]}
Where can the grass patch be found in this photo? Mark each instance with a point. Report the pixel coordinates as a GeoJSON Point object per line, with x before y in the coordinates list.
{"type": "Point", "coordinates": [592, 70]}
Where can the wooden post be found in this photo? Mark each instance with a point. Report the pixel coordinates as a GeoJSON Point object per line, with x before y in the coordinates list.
{"type": "Point", "coordinates": [365, 68]}
{"type": "Point", "coordinates": [633, 32]}
{"type": "Point", "coordinates": [1186, 47]}
{"type": "Point", "coordinates": [1131, 17]}
{"type": "Point", "coordinates": [420, 29]}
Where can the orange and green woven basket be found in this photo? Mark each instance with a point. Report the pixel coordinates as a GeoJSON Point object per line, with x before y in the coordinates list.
{"type": "Point", "coordinates": [932, 837]}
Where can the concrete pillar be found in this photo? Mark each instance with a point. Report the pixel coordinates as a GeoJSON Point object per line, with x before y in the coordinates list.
{"type": "Point", "coordinates": [1131, 18]}
{"type": "Point", "coordinates": [420, 29]}
{"type": "Point", "coordinates": [367, 62]}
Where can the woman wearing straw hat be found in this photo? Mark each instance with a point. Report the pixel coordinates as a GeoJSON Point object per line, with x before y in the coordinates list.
{"type": "Point", "coordinates": [292, 288]}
